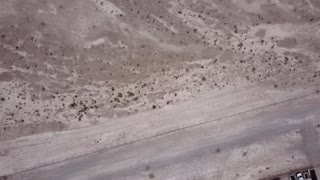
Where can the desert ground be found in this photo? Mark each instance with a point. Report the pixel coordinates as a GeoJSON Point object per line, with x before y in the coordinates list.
{"type": "Point", "coordinates": [145, 89]}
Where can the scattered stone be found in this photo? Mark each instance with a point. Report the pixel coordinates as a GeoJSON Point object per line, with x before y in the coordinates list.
{"type": "Point", "coordinates": [116, 100]}
{"type": "Point", "coordinates": [130, 93]}
{"type": "Point", "coordinates": [73, 105]}
{"type": "Point", "coordinates": [240, 45]}
{"type": "Point", "coordinates": [151, 176]}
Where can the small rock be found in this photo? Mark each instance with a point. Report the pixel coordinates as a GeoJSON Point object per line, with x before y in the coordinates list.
{"type": "Point", "coordinates": [245, 152]}
{"type": "Point", "coordinates": [116, 100]}
{"type": "Point", "coordinates": [151, 176]}
{"type": "Point", "coordinates": [130, 93]}
{"type": "Point", "coordinates": [148, 167]}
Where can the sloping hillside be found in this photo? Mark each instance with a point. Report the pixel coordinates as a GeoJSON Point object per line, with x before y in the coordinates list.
{"type": "Point", "coordinates": [68, 64]}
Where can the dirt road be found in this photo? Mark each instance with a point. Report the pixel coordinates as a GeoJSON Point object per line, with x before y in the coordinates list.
{"type": "Point", "coordinates": [247, 142]}
{"type": "Point", "coordinates": [77, 63]}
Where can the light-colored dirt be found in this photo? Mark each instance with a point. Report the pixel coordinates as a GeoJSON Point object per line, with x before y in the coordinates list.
{"type": "Point", "coordinates": [80, 76]}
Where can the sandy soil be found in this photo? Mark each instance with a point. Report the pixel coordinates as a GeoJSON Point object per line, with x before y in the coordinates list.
{"type": "Point", "coordinates": [71, 64]}
{"type": "Point", "coordinates": [145, 89]}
